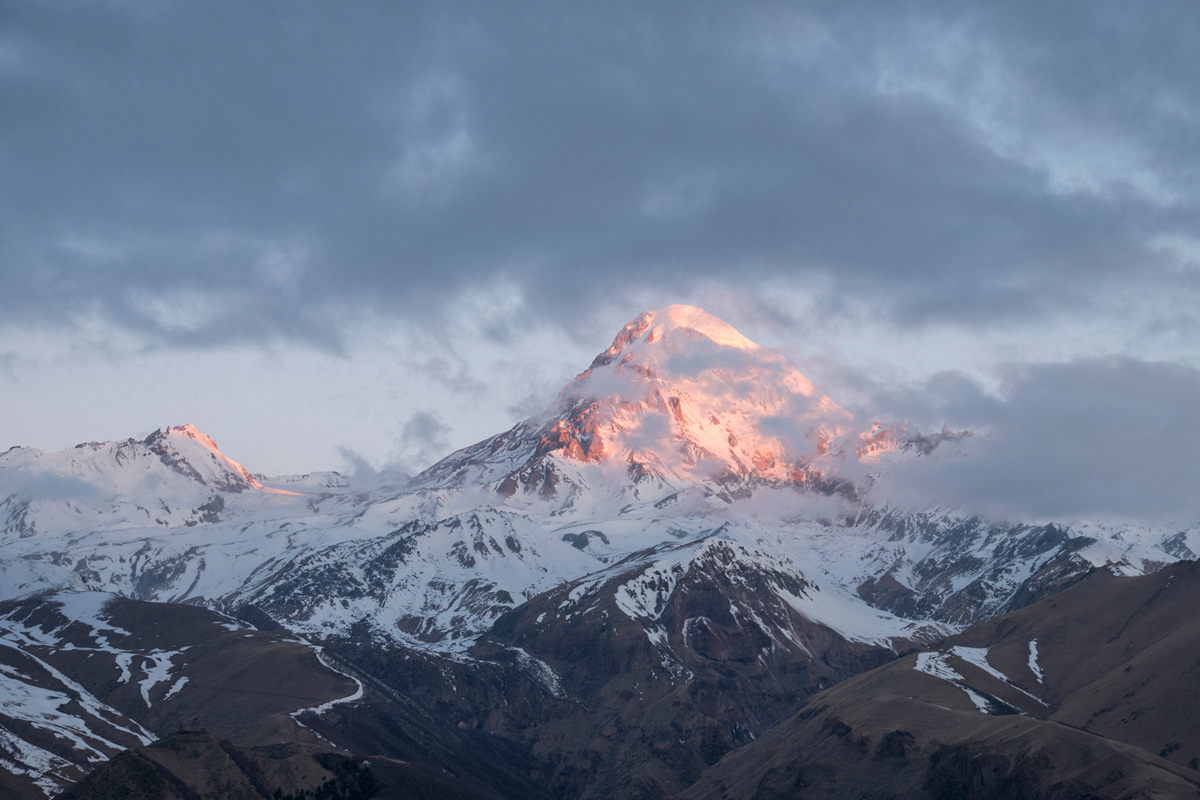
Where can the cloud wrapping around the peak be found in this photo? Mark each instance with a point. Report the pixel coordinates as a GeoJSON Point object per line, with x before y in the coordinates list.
{"type": "Point", "coordinates": [1114, 437]}
{"type": "Point", "coordinates": [228, 172]}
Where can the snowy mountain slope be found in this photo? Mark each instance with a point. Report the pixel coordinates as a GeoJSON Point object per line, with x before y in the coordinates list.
{"type": "Point", "coordinates": [427, 583]}
{"type": "Point", "coordinates": [442, 581]}
{"type": "Point", "coordinates": [667, 659]}
{"type": "Point", "coordinates": [52, 729]}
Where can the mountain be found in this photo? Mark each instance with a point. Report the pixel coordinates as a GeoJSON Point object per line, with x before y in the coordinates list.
{"type": "Point", "coordinates": [662, 566]}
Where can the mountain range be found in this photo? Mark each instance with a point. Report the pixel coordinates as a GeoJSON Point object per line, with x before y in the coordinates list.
{"type": "Point", "coordinates": [675, 579]}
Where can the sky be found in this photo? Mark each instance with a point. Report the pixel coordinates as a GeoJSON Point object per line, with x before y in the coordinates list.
{"type": "Point", "coordinates": [353, 236]}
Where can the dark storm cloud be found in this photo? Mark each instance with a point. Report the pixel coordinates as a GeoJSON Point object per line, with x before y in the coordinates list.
{"type": "Point", "coordinates": [217, 172]}
{"type": "Point", "coordinates": [1112, 436]}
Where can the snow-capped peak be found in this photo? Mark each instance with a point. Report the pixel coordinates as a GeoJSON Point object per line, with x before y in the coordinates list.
{"type": "Point", "coordinates": [174, 477]}
{"type": "Point", "coordinates": [655, 325]}
{"type": "Point", "coordinates": [192, 453]}
{"type": "Point", "coordinates": [192, 432]}
{"type": "Point", "coordinates": [682, 392]}
{"type": "Point", "coordinates": [680, 395]}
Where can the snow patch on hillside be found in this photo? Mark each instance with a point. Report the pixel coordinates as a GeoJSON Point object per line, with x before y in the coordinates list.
{"type": "Point", "coordinates": [1034, 666]}
{"type": "Point", "coordinates": [978, 657]}
{"type": "Point", "coordinates": [938, 665]}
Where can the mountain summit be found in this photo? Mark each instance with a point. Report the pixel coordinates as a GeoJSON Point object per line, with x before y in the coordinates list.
{"type": "Point", "coordinates": [679, 395]}
{"type": "Point", "coordinates": [193, 454]}
{"type": "Point", "coordinates": [696, 321]}
{"type": "Point", "coordinates": [682, 393]}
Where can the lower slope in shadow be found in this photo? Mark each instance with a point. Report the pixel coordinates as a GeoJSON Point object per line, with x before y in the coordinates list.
{"type": "Point", "coordinates": [1089, 693]}
{"type": "Point", "coordinates": [196, 765]}
{"type": "Point", "coordinates": [387, 721]}
{"type": "Point", "coordinates": [147, 668]}
{"type": "Point", "coordinates": [1118, 657]}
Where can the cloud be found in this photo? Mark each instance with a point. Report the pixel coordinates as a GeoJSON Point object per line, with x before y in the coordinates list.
{"type": "Point", "coordinates": [649, 432]}
{"type": "Point", "coordinates": [1114, 436]}
{"type": "Point", "coordinates": [45, 486]}
{"type": "Point", "coordinates": [423, 440]}
{"type": "Point", "coordinates": [359, 468]}
{"type": "Point", "coordinates": [201, 174]}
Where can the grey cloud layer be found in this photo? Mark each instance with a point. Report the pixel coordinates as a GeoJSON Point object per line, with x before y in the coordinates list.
{"type": "Point", "coordinates": [229, 172]}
